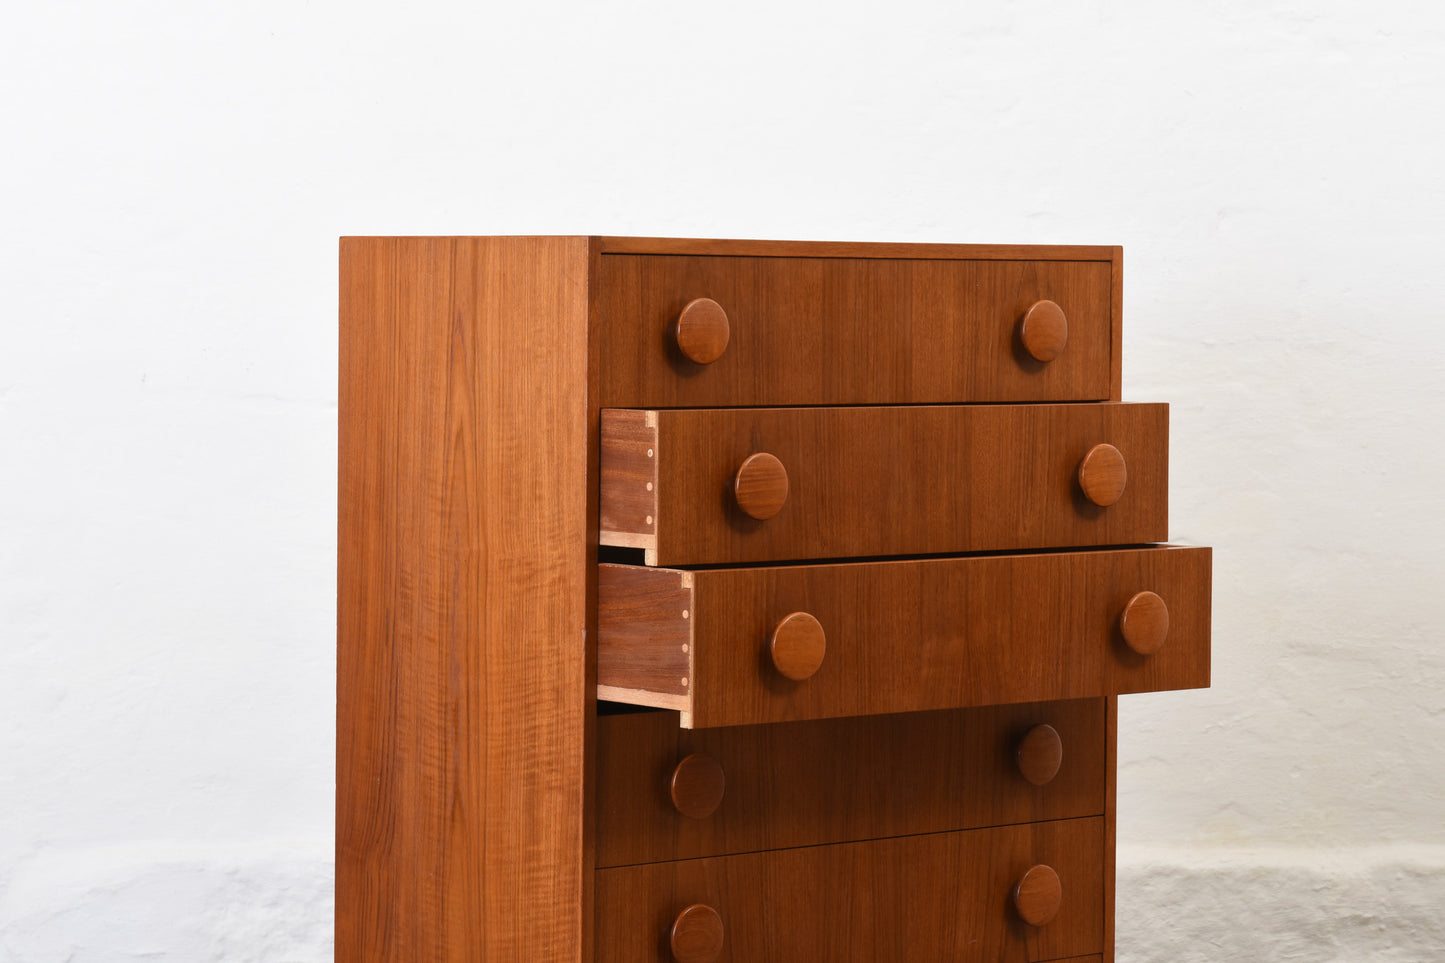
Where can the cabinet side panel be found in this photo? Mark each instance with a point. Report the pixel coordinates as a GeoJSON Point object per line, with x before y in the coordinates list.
{"type": "Point", "coordinates": [462, 584]}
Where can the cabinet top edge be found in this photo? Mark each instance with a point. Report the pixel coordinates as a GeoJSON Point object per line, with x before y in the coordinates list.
{"type": "Point", "coordinates": [854, 249]}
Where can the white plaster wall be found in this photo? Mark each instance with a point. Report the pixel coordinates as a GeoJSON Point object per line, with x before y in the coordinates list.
{"type": "Point", "coordinates": [175, 175]}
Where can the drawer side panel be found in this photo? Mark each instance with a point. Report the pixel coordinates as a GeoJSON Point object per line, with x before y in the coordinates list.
{"type": "Point", "coordinates": [644, 636]}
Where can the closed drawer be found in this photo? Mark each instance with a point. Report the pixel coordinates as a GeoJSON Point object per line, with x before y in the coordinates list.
{"type": "Point", "coordinates": [665, 793]}
{"type": "Point", "coordinates": [736, 646]}
{"type": "Point", "coordinates": [851, 331]}
{"type": "Point", "coordinates": [743, 485]}
{"type": "Point", "coordinates": [939, 898]}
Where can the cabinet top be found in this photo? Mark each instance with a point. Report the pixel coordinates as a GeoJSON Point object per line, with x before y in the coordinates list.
{"type": "Point", "coordinates": [755, 248]}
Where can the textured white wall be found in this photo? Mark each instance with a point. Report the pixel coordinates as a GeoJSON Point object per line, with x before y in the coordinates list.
{"type": "Point", "coordinates": [175, 175]}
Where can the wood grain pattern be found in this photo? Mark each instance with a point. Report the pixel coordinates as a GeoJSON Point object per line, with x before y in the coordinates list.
{"type": "Point", "coordinates": [925, 899]}
{"type": "Point", "coordinates": [839, 780]}
{"type": "Point", "coordinates": [945, 632]}
{"type": "Point", "coordinates": [464, 705]}
{"type": "Point", "coordinates": [903, 480]}
{"type": "Point", "coordinates": [850, 330]}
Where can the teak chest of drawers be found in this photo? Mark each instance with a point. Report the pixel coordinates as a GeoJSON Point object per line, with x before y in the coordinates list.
{"type": "Point", "coordinates": [763, 602]}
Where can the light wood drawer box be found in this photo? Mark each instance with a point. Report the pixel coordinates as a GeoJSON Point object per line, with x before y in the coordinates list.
{"type": "Point", "coordinates": [851, 330]}
{"type": "Point", "coordinates": [877, 481]}
{"type": "Point", "coordinates": [666, 793]}
{"type": "Point", "coordinates": [939, 898]}
{"type": "Point", "coordinates": [899, 636]}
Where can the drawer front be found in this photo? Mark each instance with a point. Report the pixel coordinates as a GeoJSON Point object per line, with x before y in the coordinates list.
{"type": "Point", "coordinates": [850, 331]}
{"type": "Point", "coordinates": [745, 485]}
{"type": "Point", "coordinates": [902, 636]}
{"type": "Point", "coordinates": [665, 793]}
{"type": "Point", "coordinates": [940, 898]}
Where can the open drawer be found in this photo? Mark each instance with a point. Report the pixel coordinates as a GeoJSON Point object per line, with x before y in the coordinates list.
{"type": "Point", "coordinates": [737, 646]}
{"type": "Point", "coordinates": [730, 485]}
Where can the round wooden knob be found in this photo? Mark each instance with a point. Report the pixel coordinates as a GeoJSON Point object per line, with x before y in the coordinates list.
{"type": "Point", "coordinates": [1040, 754]}
{"type": "Point", "coordinates": [703, 331]}
{"type": "Point", "coordinates": [1038, 895]}
{"type": "Point", "coordinates": [1145, 623]}
{"type": "Point", "coordinates": [697, 786]}
{"type": "Point", "coordinates": [798, 645]}
{"type": "Point", "coordinates": [1044, 331]}
{"type": "Point", "coordinates": [1102, 475]}
{"type": "Point", "coordinates": [697, 935]}
{"type": "Point", "coordinates": [761, 486]}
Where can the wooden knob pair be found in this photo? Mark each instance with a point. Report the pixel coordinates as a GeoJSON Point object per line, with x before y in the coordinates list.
{"type": "Point", "coordinates": [697, 933]}
{"type": "Point", "coordinates": [698, 781]}
{"type": "Point", "coordinates": [760, 485]}
{"type": "Point", "coordinates": [702, 331]}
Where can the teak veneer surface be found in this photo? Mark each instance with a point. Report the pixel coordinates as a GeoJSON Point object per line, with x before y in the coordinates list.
{"type": "Point", "coordinates": [464, 706]}
{"type": "Point", "coordinates": [880, 481]}
{"type": "Point", "coordinates": [839, 780]}
{"type": "Point", "coordinates": [850, 331]}
{"type": "Point", "coordinates": [939, 898]}
{"type": "Point", "coordinates": [903, 635]}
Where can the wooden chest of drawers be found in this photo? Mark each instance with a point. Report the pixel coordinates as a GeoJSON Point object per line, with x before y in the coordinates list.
{"type": "Point", "coordinates": [741, 601]}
